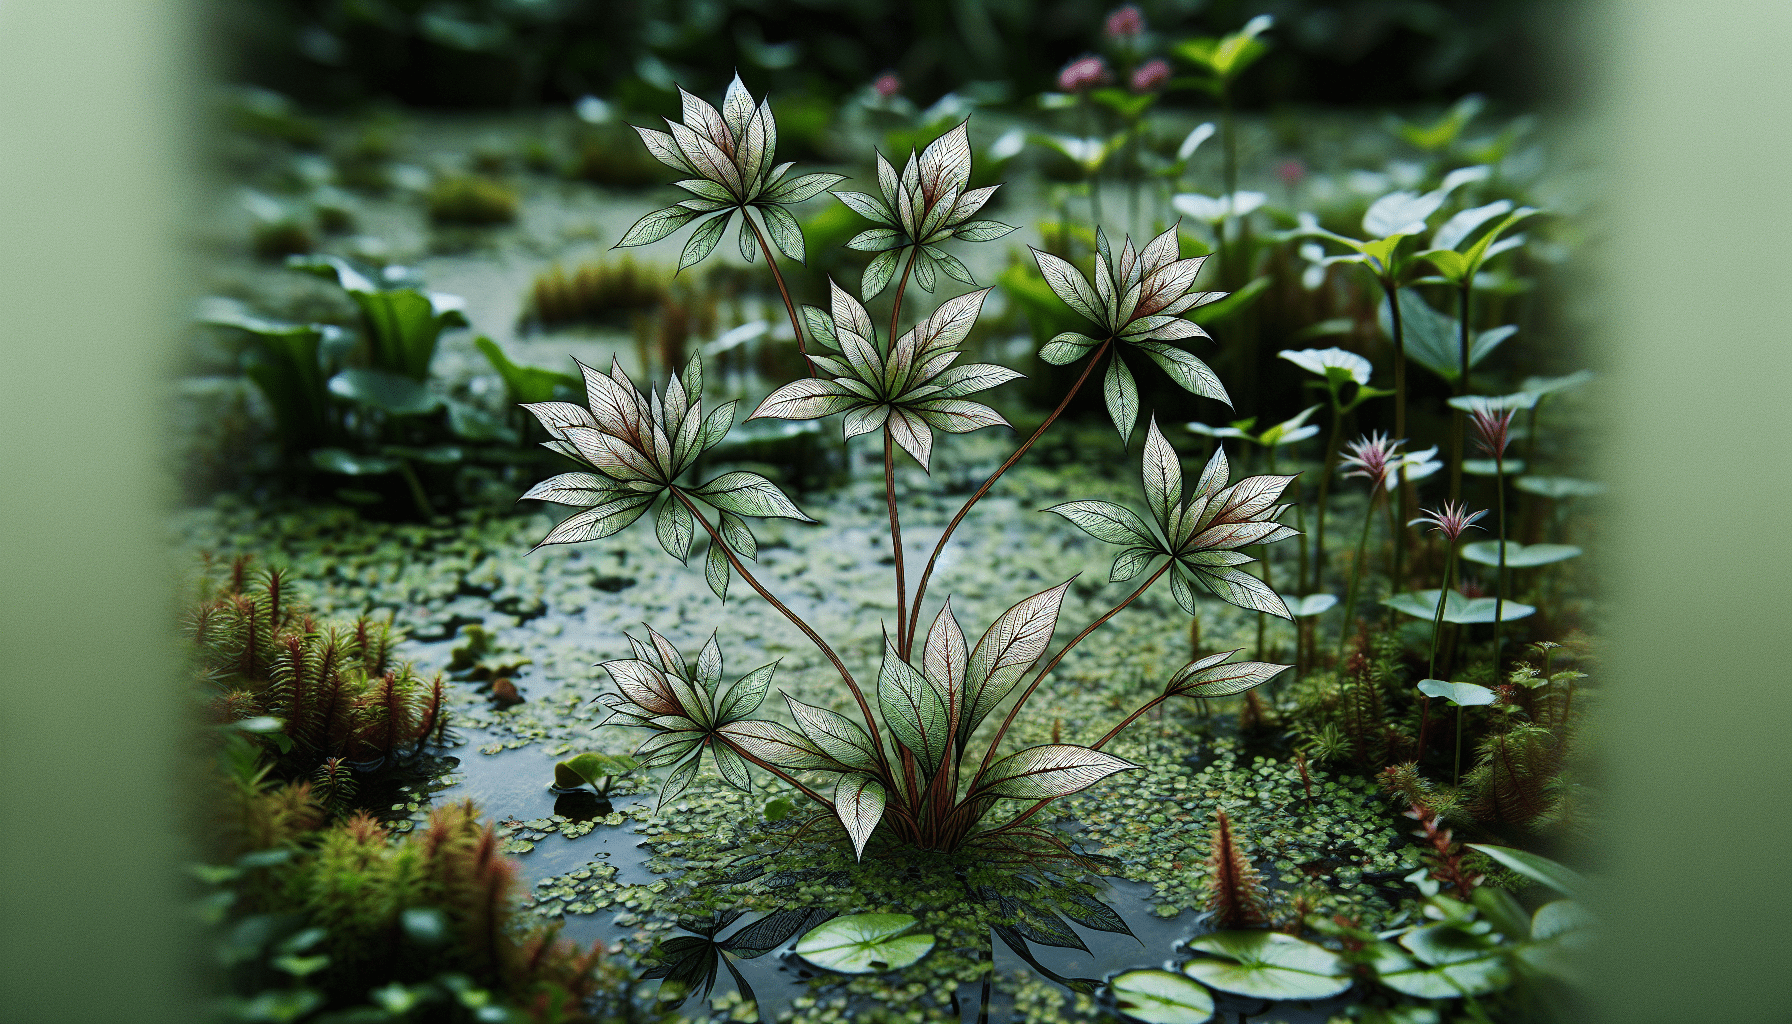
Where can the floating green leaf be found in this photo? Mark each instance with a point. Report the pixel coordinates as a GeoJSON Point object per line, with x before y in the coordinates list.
{"type": "Point", "coordinates": [590, 768]}
{"type": "Point", "coordinates": [1160, 997]}
{"type": "Point", "coordinates": [1518, 556]}
{"type": "Point", "coordinates": [1267, 965]}
{"type": "Point", "coordinates": [864, 944]}
{"type": "Point", "coordinates": [1466, 695]}
{"type": "Point", "coordinates": [391, 393]}
{"type": "Point", "coordinates": [1459, 610]}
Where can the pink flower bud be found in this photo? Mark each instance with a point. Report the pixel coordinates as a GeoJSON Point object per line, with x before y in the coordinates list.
{"type": "Point", "coordinates": [1082, 73]}
{"type": "Point", "coordinates": [887, 85]}
{"type": "Point", "coordinates": [1126, 22]}
{"type": "Point", "coordinates": [1150, 76]}
{"type": "Point", "coordinates": [1291, 172]}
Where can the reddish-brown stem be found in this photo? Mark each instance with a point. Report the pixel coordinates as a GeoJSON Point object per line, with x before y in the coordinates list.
{"type": "Point", "coordinates": [795, 620]}
{"type": "Point", "coordinates": [901, 286]}
{"type": "Point", "coordinates": [940, 545]}
{"type": "Point", "coordinates": [789, 307]}
{"type": "Point", "coordinates": [779, 772]}
{"type": "Point", "coordinates": [895, 541]}
{"type": "Point", "coordinates": [1047, 670]}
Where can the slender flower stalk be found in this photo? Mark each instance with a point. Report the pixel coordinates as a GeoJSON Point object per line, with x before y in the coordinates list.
{"type": "Point", "coordinates": [1370, 457]}
{"type": "Point", "coordinates": [1493, 429]}
{"type": "Point", "coordinates": [1452, 521]}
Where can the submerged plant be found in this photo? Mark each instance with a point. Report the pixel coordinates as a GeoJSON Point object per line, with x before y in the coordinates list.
{"type": "Point", "coordinates": [901, 768]}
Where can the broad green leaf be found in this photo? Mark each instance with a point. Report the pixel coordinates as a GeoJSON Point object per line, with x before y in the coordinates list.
{"type": "Point", "coordinates": [1557, 929]}
{"type": "Point", "coordinates": [1212, 677]}
{"type": "Point", "coordinates": [1312, 604]}
{"type": "Point", "coordinates": [749, 494]}
{"type": "Point", "coordinates": [1106, 521]}
{"type": "Point", "coordinates": [1193, 375]}
{"type": "Point", "coordinates": [703, 240]}
{"type": "Point", "coordinates": [1012, 644]}
{"type": "Point", "coordinates": [391, 393]}
{"type": "Point", "coordinates": [1052, 770]}
{"type": "Point", "coordinates": [1559, 487]}
{"type": "Point", "coordinates": [1473, 977]}
{"type": "Point", "coordinates": [590, 768]}
{"type": "Point", "coordinates": [803, 186]}
{"type": "Point", "coordinates": [864, 944]}
{"type": "Point", "coordinates": [1400, 213]}
{"type": "Point", "coordinates": [578, 489]}
{"type": "Point", "coordinates": [1460, 227]}
{"type": "Point", "coordinates": [1458, 610]}
{"type": "Point", "coordinates": [657, 225]}
{"type": "Point", "coordinates": [674, 527]}
{"type": "Point", "coordinates": [1267, 965]}
{"type": "Point", "coordinates": [600, 521]}
{"type": "Point", "coordinates": [1121, 393]}
{"type": "Point", "coordinates": [1559, 877]}
{"type": "Point", "coordinates": [1159, 997]}
{"type": "Point", "coordinates": [1431, 338]}
{"type": "Point", "coordinates": [746, 694]}
{"type": "Point", "coordinates": [337, 460]}
{"type": "Point", "coordinates": [786, 233]}
{"type": "Point", "coordinates": [913, 709]}
{"type": "Point", "coordinates": [859, 803]}
{"type": "Point", "coordinates": [526, 383]}
{"type": "Point", "coordinates": [1541, 386]}
{"type": "Point", "coordinates": [1466, 695]}
{"type": "Point", "coordinates": [1518, 556]}
{"type": "Point", "coordinates": [776, 744]}
{"type": "Point", "coordinates": [835, 735]}
{"type": "Point", "coordinates": [1492, 467]}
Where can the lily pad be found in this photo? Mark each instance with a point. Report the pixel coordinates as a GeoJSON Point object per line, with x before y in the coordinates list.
{"type": "Point", "coordinates": [590, 768]}
{"type": "Point", "coordinates": [1159, 997]}
{"type": "Point", "coordinates": [1484, 973]}
{"type": "Point", "coordinates": [1488, 467]}
{"type": "Point", "coordinates": [391, 393]}
{"type": "Point", "coordinates": [1459, 610]}
{"type": "Point", "coordinates": [1559, 486]}
{"type": "Point", "coordinates": [1465, 695]}
{"type": "Point", "coordinates": [1518, 556]}
{"type": "Point", "coordinates": [1312, 604]}
{"type": "Point", "coordinates": [864, 944]}
{"type": "Point", "coordinates": [1267, 965]}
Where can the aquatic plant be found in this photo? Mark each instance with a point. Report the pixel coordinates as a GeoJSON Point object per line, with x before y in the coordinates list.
{"type": "Point", "coordinates": [334, 689]}
{"type": "Point", "coordinates": [1492, 432]}
{"type": "Point", "coordinates": [931, 701]}
{"type": "Point", "coordinates": [593, 291]}
{"type": "Point", "coordinates": [1451, 521]}
{"type": "Point", "coordinates": [1235, 896]}
{"type": "Point", "coordinates": [1336, 368]}
{"type": "Point", "coordinates": [470, 199]}
{"type": "Point", "coordinates": [1375, 458]}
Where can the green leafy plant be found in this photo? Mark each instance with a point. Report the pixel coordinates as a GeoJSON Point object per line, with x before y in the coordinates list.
{"type": "Point", "coordinates": [1337, 369]}
{"type": "Point", "coordinates": [599, 771]}
{"type": "Point", "coordinates": [864, 943]}
{"type": "Point", "coordinates": [931, 699]}
{"type": "Point", "coordinates": [1451, 521]}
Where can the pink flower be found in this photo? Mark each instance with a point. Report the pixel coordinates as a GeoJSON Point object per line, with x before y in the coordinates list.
{"type": "Point", "coordinates": [1373, 457]}
{"type": "Point", "coordinates": [1082, 73]}
{"type": "Point", "coordinates": [1492, 430]}
{"type": "Point", "coordinates": [1453, 520]}
{"type": "Point", "coordinates": [1126, 22]}
{"type": "Point", "coordinates": [1150, 76]}
{"type": "Point", "coordinates": [887, 85]}
{"type": "Point", "coordinates": [1291, 172]}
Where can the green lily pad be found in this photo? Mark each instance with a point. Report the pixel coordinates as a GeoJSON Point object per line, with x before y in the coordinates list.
{"type": "Point", "coordinates": [391, 393]}
{"type": "Point", "coordinates": [1459, 610]}
{"type": "Point", "coordinates": [1267, 965]}
{"type": "Point", "coordinates": [1487, 467]}
{"type": "Point", "coordinates": [1159, 997]}
{"type": "Point", "coordinates": [1472, 977]}
{"type": "Point", "coordinates": [590, 768]}
{"type": "Point", "coordinates": [1559, 877]}
{"type": "Point", "coordinates": [864, 944]}
{"type": "Point", "coordinates": [1559, 486]}
{"type": "Point", "coordinates": [1312, 604]}
{"type": "Point", "coordinates": [338, 460]}
{"type": "Point", "coordinates": [1465, 695]}
{"type": "Point", "coordinates": [1518, 556]}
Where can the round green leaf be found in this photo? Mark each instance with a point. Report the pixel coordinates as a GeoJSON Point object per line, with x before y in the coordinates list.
{"type": "Point", "coordinates": [864, 944]}
{"type": "Point", "coordinates": [337, 460]}
{"type": "Point", "coordinates": [391, 393]}
{"type": "Point", "coordinates": [1479, 976]}
{"type": "Point", "coordinates": [1518, 556]}
{"type": "Point", "coordinates": [1488, 467]}
{"type": "Point", "coordinates": [1159, 997]}
{"type": "Point", "coordinates": [1559, 486]}
{"type": "Point", "coordinates": [1462, 611]}
{"type": "Point", "coordinates": [588, 768]}
{"type": "Point", "coordinates": [1267, 965]}
{"type": "Point", "coordinates": [1466, 695]}
{"type": "Point", "coordinates": [1312, 604]}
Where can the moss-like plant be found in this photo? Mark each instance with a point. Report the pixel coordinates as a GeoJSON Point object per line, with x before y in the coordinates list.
{"type": "Point", "coordinates": [931, 696]}
{"type": "Point", "coordinates": [1235, 896]}
{"type": "Point", "coordinates": [594, 292]}
{"type": "Point", "coordinates": [471, 199]}
{"type": "Point", "coordinates": [335, 689]}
